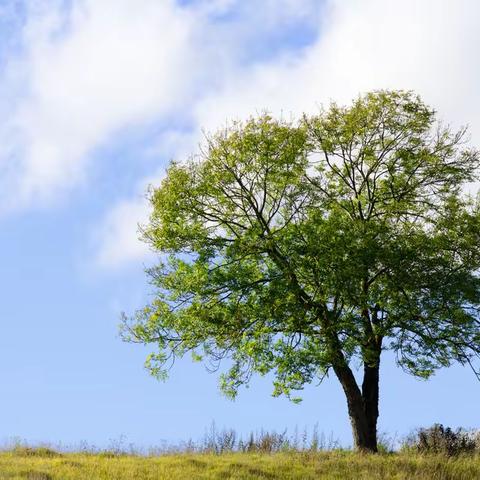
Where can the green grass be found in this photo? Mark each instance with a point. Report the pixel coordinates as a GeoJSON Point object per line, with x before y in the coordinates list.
{"type": "Point", "coordinates": [45, 464]}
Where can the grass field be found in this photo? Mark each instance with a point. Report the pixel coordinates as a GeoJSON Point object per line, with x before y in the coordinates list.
{"type": "Point", "coordinates": [46, 465]}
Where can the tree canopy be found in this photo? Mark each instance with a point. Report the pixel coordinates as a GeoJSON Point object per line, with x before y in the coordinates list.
{"type": "Point", "coordinates": [297, 248]}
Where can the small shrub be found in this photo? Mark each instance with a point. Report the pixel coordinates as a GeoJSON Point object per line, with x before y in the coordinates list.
{"type": "Point", "coordinates": [476, 439]}
{"type": "Point", "coordinates": [442, 440]}
{"type": "Point", "coordinates": [23, 451]}
{"type": "Point", "coordinates": [268, 442]}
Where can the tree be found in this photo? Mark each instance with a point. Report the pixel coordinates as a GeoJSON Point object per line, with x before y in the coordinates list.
{"type": "Point", "coordinates": [309, 247]}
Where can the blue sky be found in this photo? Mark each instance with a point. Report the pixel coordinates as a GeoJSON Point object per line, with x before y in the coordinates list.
{"type": "Point", "coordinates": [95, 99]}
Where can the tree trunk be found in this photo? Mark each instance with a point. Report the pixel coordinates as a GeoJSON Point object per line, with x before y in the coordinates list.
{"type": "Point", "coordinates": [370, 391]}
{"type": "Point", "coordinates": [362, 405]}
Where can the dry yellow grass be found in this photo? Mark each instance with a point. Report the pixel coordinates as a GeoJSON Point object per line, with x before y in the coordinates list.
{"type": "Point", "coordinates": [33, 465]}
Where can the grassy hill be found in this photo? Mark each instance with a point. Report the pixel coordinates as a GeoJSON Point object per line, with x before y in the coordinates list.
{"type": "Point", "coordinates": [45, 464]}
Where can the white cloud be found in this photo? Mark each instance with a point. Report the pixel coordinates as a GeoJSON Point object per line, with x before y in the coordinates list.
{"type": "Point", "coordinates": [427, 46]}
{"type": "Point", "coordinates": [109, 64]}
{"type": "Point", "coordinates": [117, 240]}
{"type": "Point", "coordinates": [103, 66]}
{"type": "Point", "coordinates": [76, 75]}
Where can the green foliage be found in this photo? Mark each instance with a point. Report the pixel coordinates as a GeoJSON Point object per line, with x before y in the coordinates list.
{"type": "Point", "coordinates": [295, 247]}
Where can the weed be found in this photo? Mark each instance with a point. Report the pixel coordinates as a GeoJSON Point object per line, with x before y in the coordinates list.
{"type": "Point", "coordinates": [442, 440]}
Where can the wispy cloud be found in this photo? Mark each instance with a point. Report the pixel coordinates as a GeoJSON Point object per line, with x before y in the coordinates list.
{"type": "Point", "coordinates": [427, 46]}
{"type": "Point", "coordinates": [77, 72]}
{"type": "Point", "coordinates": [85, 74]}
{"type": "Point", "coordinates": [118, 236]}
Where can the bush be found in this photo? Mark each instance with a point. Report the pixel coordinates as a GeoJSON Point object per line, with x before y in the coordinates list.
{"type": "Point", "coordinates": [25, 451]}
{"type": "Point", "coordinates": [443, 440]}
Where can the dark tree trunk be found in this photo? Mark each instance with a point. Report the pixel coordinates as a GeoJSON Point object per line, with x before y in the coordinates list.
{"type": "Point", "coordinates": [362, 405]}
{"type": "Point", "coordinates": [370, 390]}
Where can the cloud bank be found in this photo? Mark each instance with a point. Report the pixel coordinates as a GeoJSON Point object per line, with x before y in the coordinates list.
{"type": "Point", "coordinates": [85, 74]}
{"type": "Point", "coordinates": [99, 67]}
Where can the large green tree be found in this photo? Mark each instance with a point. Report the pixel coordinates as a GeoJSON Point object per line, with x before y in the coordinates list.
{"type": "Point", "coordinates": [309, 247]}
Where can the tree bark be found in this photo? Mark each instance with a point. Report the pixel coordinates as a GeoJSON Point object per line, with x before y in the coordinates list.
{"type": "Point", "coordinates": [362, 405]}
{"type": "Point", "coordinates": [370, 395]}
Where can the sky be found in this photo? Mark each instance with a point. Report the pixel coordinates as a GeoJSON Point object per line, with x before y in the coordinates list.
{"type": "Point", "coordinates": [96, 97]}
